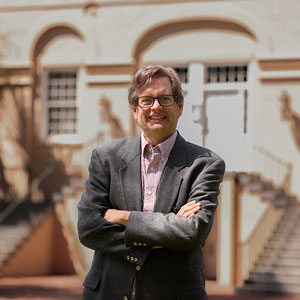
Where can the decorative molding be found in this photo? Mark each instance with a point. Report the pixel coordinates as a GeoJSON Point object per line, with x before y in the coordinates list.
{"type": "Point", "coordinates": [17, 70]}
{"type": "Point", "coordinates": [107, 84]}
{"type": "Point", "coordinates": [283, 80]}
{"type": "Point", "coordinates": [21, 76]}
{"type": "Point", "coordinates": [281, 69]}
{"type": "Point", "coordinates": [55, 5]}
{"type": "Point", "coordinates": [279, 64]}
{"type": "Point", "coordinates": [109, 69]}
{"type": "Point", "coordinates": [171, 27]}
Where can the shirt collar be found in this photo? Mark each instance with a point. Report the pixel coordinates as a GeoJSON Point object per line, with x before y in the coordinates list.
{"type": "Point", "coordinates": [165, 147]}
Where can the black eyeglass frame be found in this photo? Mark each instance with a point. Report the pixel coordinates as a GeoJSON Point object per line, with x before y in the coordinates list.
{"type": "Point", "coordinates": [156, 98]}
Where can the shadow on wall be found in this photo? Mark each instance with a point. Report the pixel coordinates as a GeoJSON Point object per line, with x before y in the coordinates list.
{"type": "Point", "coordinates": [24, 160]}
{"type": "Point", "coordinates": [287, 114]}
{"type": "Point", "coordinates": [115, 126]}
{"type": "Point", "coordinates": [4, 184]}
{"type": "Point", "coordinates": [13, 145]}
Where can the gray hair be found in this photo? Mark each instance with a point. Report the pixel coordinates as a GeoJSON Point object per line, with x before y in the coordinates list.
{"type": "Point", "coordinates": [144, 76]}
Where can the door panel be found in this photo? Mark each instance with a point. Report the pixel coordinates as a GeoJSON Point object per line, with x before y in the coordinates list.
{"type": "Point", "coordinates": [225, 115]}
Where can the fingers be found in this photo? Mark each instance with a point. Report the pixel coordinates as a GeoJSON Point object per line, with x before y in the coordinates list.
{"type": "Point", "coordinates": [109, 215]}
{"type": "Point", "coordinates": [189, 209]}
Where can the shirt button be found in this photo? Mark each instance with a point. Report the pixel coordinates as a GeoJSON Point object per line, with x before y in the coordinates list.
{"type": "Point", "coordinates": [138, 268]}
{"type": "Point", "coordinates": [140, 244]}
{"type": "Point", "coordinates": [144, 244]}
{"type": "Point", "coordinates": [149, 193]}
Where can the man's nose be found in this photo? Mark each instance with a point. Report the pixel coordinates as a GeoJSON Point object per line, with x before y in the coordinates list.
{"type": "Point", "coordinates": [156, 104]}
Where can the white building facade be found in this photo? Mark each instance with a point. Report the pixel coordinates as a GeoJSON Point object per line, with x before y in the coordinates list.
{"type": "Point", "coordinates": [238, 59]}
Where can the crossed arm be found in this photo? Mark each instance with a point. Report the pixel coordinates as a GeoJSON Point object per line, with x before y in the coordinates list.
{"type": "Point", "coordinates": [105, 229]}
{"type": "Point", "coordinates": [121, 216]}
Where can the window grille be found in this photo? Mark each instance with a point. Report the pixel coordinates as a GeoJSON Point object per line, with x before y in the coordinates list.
{"type": "Point", "coordinates": [182, 74]}
{"type": "Point", "coordinates": [62, 110]}
{"type": "Point", "coordinates": [221, 74]}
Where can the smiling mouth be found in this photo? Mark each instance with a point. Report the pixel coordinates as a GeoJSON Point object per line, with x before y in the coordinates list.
{"type": "Point", "coordinates": [157, 118]}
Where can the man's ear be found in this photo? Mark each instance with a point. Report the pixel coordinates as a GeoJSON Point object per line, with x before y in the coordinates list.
{"type": "Point", "coordinates": [134, 112]}
{"type": "Point", "coordinates": [180, 108]}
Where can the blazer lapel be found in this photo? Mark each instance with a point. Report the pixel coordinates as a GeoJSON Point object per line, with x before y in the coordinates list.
{"type": "Point", "coordinates": [171, 178]}
{"type": "Point", "coordinates": [130, 176]}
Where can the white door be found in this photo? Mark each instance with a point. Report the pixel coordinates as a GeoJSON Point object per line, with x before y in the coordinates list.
{"type": "Point", "coordinates": [226, 115]}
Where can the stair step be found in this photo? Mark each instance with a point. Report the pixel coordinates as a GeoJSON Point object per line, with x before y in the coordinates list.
{"type": "Point", "coordinates": [270, 288]}
{"type": "Point", "coordinates": [283, 228]}
{"type": "Point", "coordinates": [17, 227]}
{"type": "Point", "coordinates": [284, 246]}
{"type": "Point", "coordinates": [255, 186]}
{"type": "Point", "coordinates": [5, 249]}
{"type": "Point", "coordinates": [294, 208]}
{"type": "Point", "coordinates": [287, 232]}
{"type": "Point", "coordinates": [292, 220]}
{"type": "Point", "coordinates": [287, 238]}
{"type": "Point", "coordinates": [245, 178]}
{"type": "Point", "coordinates": [279, 261]}
{"type": "Point", "coordinates": [284, 271]}
{"type": "Point", "coordinates": [278, 252]}
{"type": "Point", "coordinates": [12, 231]}
{"type": "Point", "coordinates": [274, 278]}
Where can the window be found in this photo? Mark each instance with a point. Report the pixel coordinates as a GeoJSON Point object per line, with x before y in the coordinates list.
{"type": "Point", "coordinates": [182, 74]}
{"type": "Point", "coordinates": [218, 74]}
{"type": "Point", "coordinates": [61, 102]}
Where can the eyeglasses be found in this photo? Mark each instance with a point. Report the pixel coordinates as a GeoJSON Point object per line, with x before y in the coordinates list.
{"type": "Point", "coordinates": [163, 100]}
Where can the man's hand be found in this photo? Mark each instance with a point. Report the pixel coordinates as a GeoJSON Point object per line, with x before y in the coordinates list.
{"type": "Point", "coordinates": [117, 216]}
{"type": "Point", "coordinates": [189, 209]}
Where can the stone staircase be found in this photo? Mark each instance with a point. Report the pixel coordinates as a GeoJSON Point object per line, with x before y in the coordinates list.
{"type": "Point", "coordinates": [277, 269]}
{"type": "Point", "coordinates": [16, 228]}
{"type": "Point", "coordinates": [268, 191]}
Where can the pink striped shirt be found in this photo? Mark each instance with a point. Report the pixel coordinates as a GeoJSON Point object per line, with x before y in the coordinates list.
{"type": "Point", "coordinates": [150, 180]}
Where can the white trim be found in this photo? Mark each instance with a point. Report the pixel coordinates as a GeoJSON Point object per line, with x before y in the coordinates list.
{"type": "Point", "coordinates": [226, 86]}
{"type": "Point", "coordinates": [108, 78]}
{"type": "Point", "coordinates": [44, 111]}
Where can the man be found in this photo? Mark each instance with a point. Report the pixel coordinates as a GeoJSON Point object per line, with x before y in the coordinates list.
{"type": "Point", "coordinates": [149, 202]}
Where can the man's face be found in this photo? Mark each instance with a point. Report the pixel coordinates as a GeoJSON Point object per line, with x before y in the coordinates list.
{"type": "Point", "coordinates": [157, 123]}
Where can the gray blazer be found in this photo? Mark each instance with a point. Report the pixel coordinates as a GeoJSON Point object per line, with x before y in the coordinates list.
{"type": "Point", "coordinates": [124, 254]}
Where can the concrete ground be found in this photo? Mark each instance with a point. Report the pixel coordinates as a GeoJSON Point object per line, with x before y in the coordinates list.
{"type": "Point", "coordinates": [69, 288]}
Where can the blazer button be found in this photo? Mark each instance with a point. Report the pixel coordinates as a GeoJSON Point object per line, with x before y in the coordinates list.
{"type": "Point", "coordinates": [135, 243]}
{"type": "Point", "coordinates": [138, 268]}
{"type": "Point", "coordinates": [125, 298]}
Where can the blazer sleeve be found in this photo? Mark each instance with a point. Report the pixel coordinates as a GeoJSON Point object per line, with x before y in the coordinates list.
{"type": "Point", "coordinates": [94, 231]}
{"type": "Point", "coordinates": [177, 232]}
